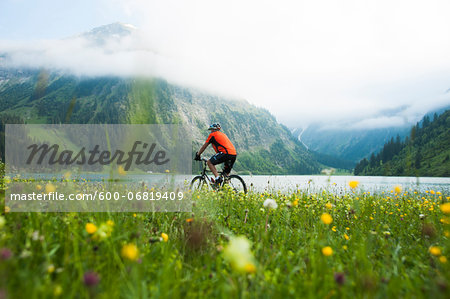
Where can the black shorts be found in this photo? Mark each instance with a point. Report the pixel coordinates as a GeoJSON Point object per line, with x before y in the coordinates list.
{"type": "Point", "coordinates": [224, 158]}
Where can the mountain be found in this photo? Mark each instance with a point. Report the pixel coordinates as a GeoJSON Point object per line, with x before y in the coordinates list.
{"type": "Point", "coordinates": [100, 36]}
{"type": "Point", "coordinates": [347, 144]}
{"type": "Point", "coordinates": [352, 141]}
{"type": "Point", "coordinates": [426, 152]}
{"type": "Point", "coordinates": [45, 96]}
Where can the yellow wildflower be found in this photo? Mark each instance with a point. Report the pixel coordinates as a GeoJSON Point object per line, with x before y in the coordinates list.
{"type": "Point", "coordinates": [443, 259]}
{"type": "Point", "coordinates": [130, 252]}
{"type": "Point", "coordinates": [50, 188]}
{"type": "Point", "coordinates": [91, 228]}
{"type": "Point", "coordinates": [328, 205]}
{"type": "Point", "coordinates": [326, 218]}
{"type": "Point", "coordinates": [445, 208]}
{"type": "Point", "coordinates": [353, 184]}
{"type": "Point", "coordinates": [346, 237]}
{"type": "Point", "coordinates": [435, 250]}
{"type": "Point", "coordinates": [398, 189]}
{"type": "Point", "coordinates": [327, 251]}
{"type": "Point", "coordinates": [165, 237]}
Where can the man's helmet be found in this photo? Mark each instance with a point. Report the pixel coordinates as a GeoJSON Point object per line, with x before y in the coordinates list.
{"type": "Point", "coordinates": [214, 127]}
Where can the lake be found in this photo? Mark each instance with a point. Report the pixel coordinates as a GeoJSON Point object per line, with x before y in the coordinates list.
{"type": "Point", "coordinates": [341, 183]}
{"type": "Point", "coordinates": [314, 183]}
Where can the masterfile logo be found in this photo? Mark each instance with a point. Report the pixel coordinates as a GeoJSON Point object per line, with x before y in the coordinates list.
{"type": "Point", "coordinates": [98, 148]}
{"type": "Point", "coordinates": [91, 157]}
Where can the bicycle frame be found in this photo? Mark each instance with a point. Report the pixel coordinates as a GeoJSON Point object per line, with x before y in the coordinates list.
{"type": "Point", "coordinates": [227, 179]}
{"type": "Point", "coordinates": [205, 170]}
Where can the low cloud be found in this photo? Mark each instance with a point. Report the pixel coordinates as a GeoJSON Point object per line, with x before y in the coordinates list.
{"type": "Point", "coordinates": [81, 55]}
{"type": "Point", "coordinates": [379, 122]}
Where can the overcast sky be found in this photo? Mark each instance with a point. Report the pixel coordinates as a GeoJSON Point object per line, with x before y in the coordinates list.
{"type": "Point", "coordinates": [354, 63]}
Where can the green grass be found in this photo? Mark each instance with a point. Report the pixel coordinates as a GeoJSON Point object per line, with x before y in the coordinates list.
{"type": "Point", "coordinates": [386, 253]}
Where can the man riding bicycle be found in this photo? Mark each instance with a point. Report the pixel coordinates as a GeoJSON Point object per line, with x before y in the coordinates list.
{"type": "Point", "coordinates": [225, 151]}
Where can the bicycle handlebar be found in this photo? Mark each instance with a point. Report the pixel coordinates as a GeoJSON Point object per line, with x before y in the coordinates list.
{"type": "Point", "coordinates": [202, 159]}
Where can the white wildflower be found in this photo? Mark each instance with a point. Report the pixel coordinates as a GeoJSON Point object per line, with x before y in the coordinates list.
{"type": "Point", "coordinates": [270, 203]}
{"type": "Point", "coordinates": [35, 235]}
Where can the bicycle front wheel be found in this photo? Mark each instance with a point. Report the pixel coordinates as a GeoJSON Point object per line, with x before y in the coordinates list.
{"type": "Point", "coordinates": [198, 183]}
{"type": "Point", "coordinates": [236, 183]}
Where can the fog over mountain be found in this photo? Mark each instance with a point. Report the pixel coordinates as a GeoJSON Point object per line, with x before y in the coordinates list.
{"type": "Point", "coordinates": [115, 49]}
{"type": "Point", "coordinates": [331, 93]}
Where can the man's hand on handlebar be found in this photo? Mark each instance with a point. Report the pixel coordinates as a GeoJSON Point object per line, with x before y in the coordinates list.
{"type": "Point", "coordinates": [197, 157]}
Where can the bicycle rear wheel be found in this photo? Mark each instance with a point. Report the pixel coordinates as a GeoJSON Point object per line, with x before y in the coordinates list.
{"type": "Point", "coordinates": [236, 183]}
{"type": "Point", "coordinates": [198, 183]}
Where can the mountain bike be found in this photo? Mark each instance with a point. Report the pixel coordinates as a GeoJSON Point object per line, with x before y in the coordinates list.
{"type": "Point", "coordinates": [233, 181]}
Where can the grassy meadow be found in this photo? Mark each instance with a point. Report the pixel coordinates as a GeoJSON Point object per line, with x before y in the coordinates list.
{"type": "Point", "coordinates": [327, 244]}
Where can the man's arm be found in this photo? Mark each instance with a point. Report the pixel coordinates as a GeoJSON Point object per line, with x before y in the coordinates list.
{"type": "Point", "coordinates": [202, 149]}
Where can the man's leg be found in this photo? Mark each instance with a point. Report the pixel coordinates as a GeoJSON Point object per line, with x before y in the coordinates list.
{"type": "Point", "coordinates": [212, 168]}
{"type": "Point", "coordinates": [216, 159]}
{"type": "Point", "coordinates": [229, 164]}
